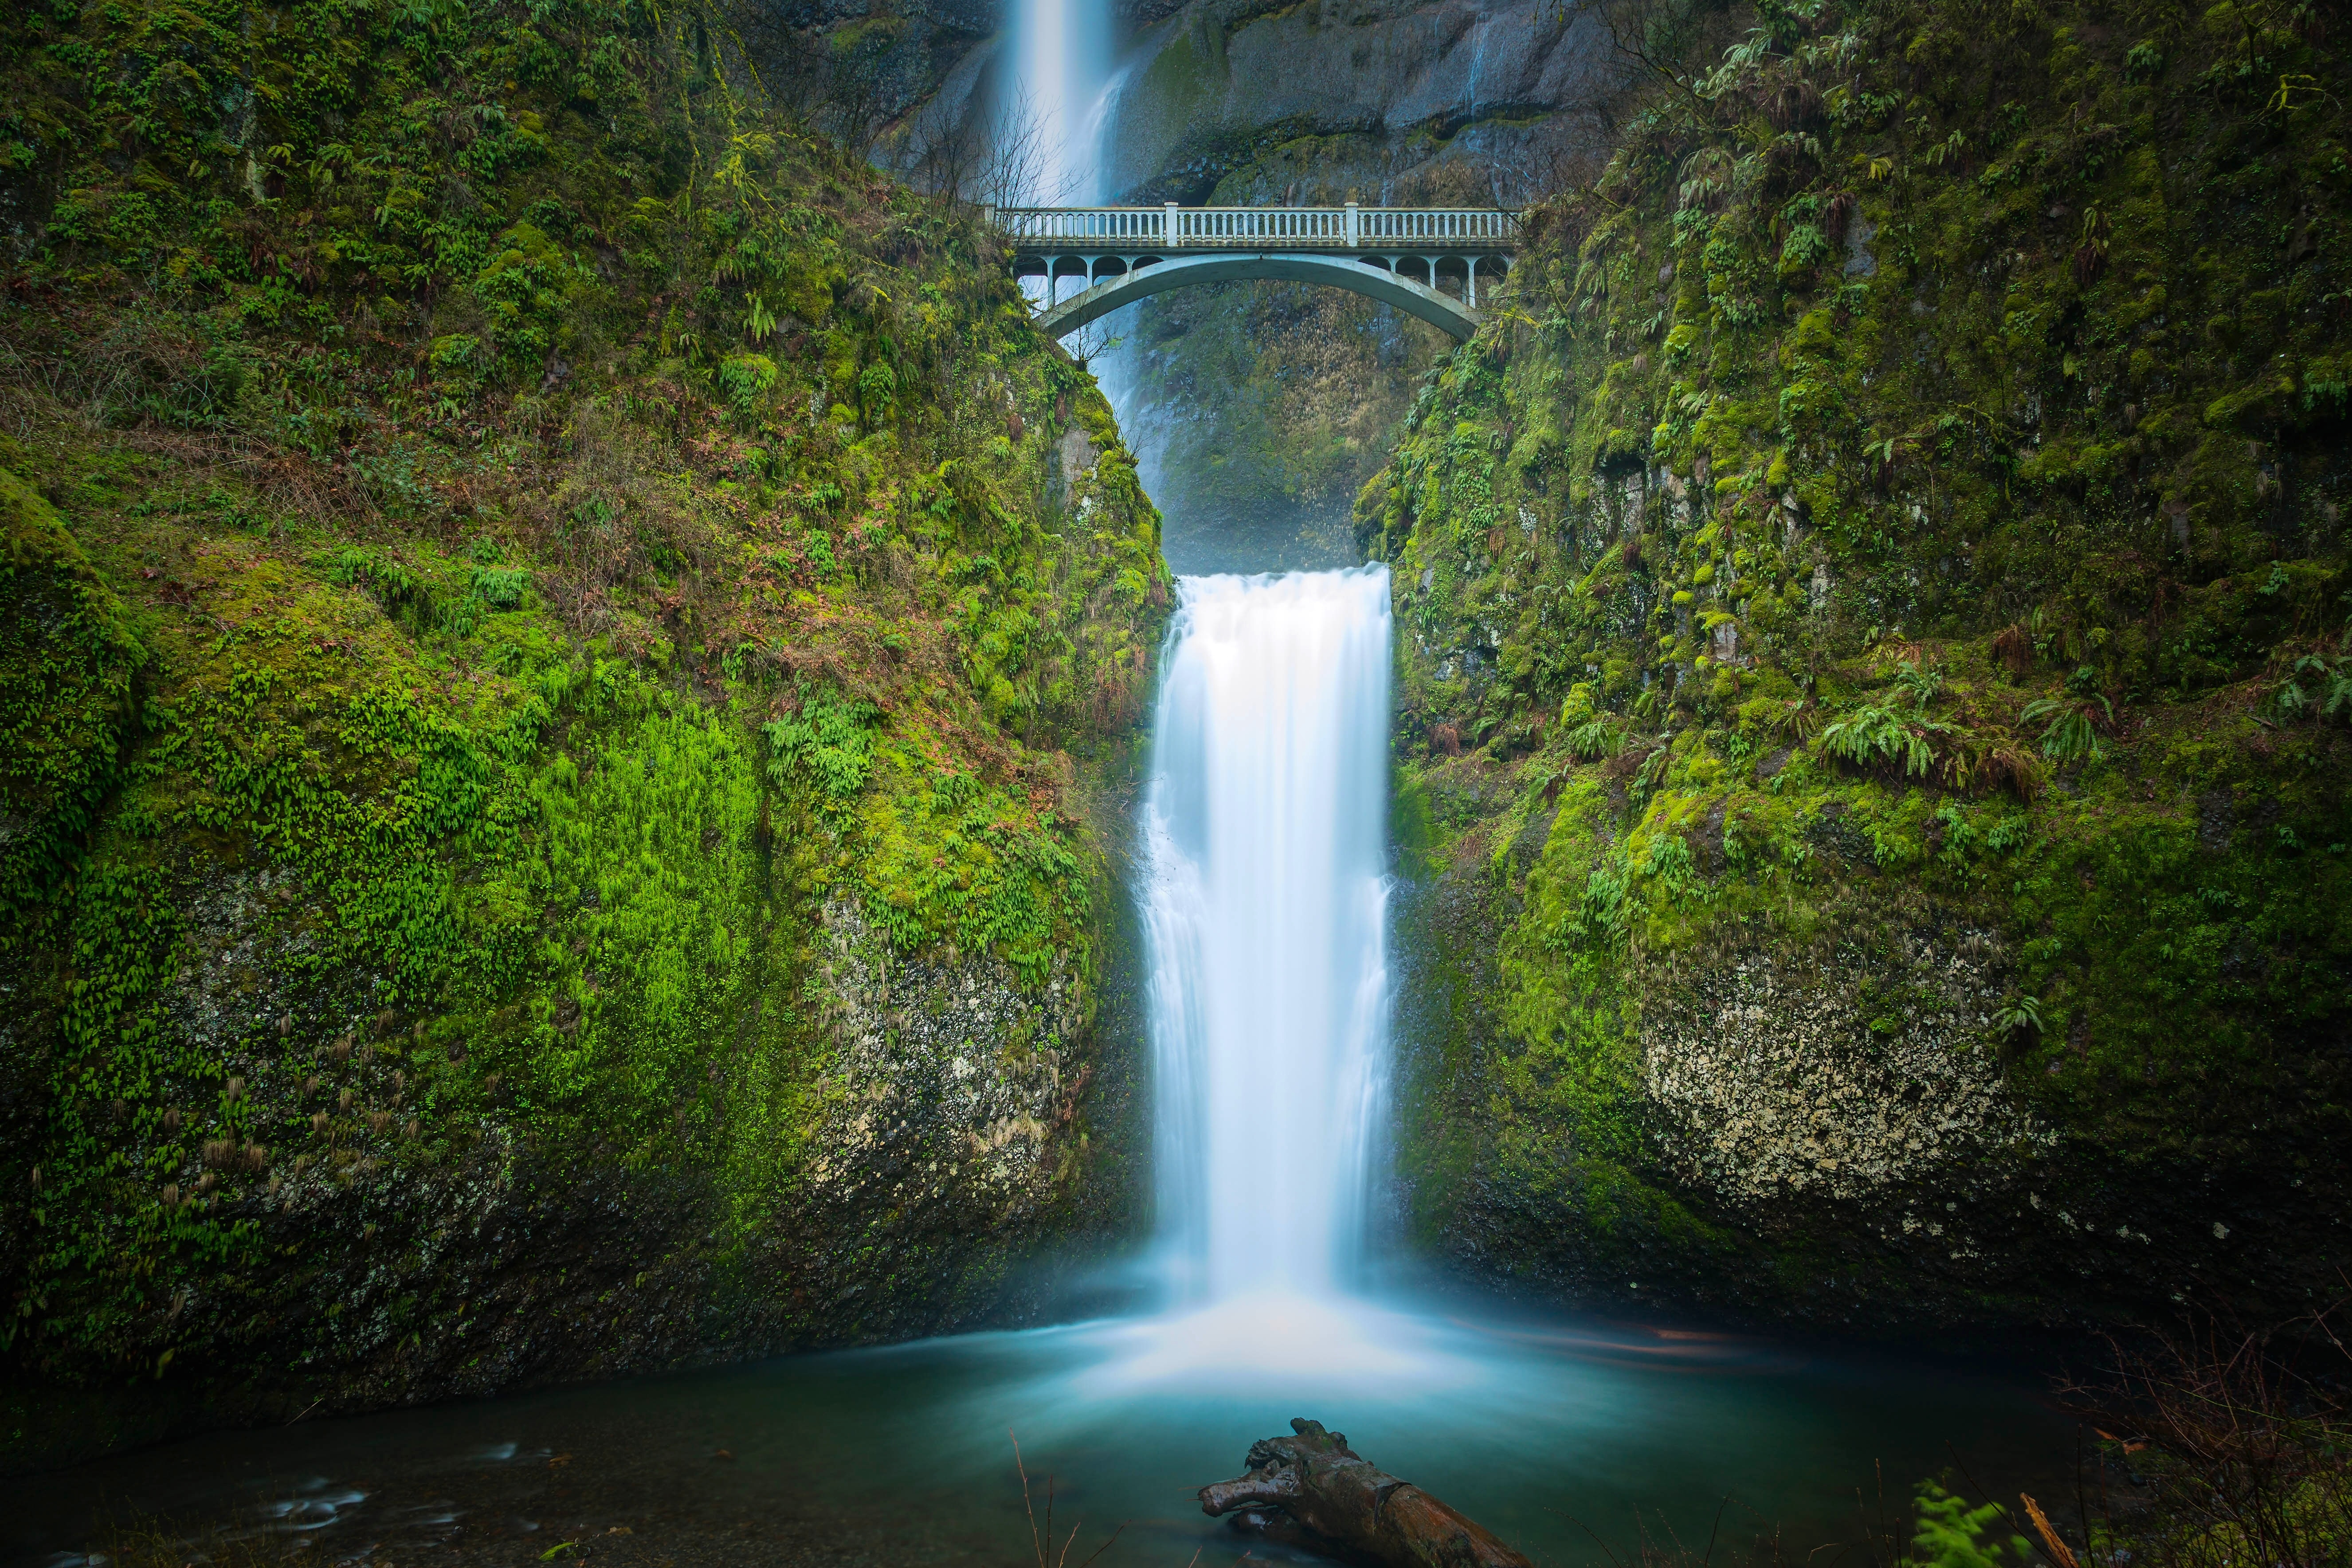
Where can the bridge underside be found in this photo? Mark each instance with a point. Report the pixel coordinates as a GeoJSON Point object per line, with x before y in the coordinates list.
{"type": "Point", "coordinates": [1116, 280]}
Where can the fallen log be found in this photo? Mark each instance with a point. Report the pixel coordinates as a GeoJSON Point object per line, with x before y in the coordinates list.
{"type": "Point", "coordinates": [1312, 1492]}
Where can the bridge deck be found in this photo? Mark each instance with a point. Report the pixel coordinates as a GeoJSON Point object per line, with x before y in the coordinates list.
{"type": "Point", "coordinates": [1454, 231]}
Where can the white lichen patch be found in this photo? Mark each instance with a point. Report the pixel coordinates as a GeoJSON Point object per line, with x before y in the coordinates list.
{"type": "Point", "coordinates": [953, 1057]}
{"type": "Point", "coordinates": [1078, 455]}
{"type": "Point", "coordinates": [233, 973]}
{"type": "Point", "coordinates": [1778, 1079]}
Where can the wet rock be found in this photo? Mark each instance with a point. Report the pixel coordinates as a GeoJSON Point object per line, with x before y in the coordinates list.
{"type": "Point", "coordinates": [1779, 1078]}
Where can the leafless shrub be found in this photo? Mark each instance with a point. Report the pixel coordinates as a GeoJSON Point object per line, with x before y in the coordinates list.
{"type": "Point", "coordinates": [1011, 163]}
{"type": "Point", "coordinates": [1041, 1540]}
{"type": "Point", "coordinates": [2243, 1440]}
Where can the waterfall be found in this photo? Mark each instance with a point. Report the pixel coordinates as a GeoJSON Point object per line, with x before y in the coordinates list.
{"type": "Point", "coordinates": [1264, 903]}
{"type": "Point", "coordinates": [1264, 911]}
{"type": "Point", "coordinates": [1061, 69]}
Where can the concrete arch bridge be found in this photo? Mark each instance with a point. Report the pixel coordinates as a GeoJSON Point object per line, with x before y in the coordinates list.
{"type": "Point", "coordinates": [1404, 257]}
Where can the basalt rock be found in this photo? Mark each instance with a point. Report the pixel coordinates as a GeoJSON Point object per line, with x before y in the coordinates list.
{"type": "Point", "coordinates": [2024, 1023]}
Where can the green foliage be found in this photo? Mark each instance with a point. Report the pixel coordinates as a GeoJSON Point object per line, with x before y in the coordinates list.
{"type": "Point", "coordinates": [878, 393]}
{"type": "Point", "coordinates": [523, 843]}
{"type": "Point", "coordinates": [747, 379]}
{"type": "Point", "coordinates": [951, 859]}
{"type": "Point", "coordinates": [829, 743]}
{"type": "Point", "coordinates": [2069, 720]}
{"type": "Point", "coordinates": [1950, 1534]}
{"type": "Point", "coordinates": [1898, 732]}
{"type": "Point", "coordinates": [654, 836]}
{"type": "Point", "coordinates": [69, 662]}
{"type": "Point", "coordinates": [1939, 529]}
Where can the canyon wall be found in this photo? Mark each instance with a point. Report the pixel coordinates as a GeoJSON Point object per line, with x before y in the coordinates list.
{"type": "Point", "coordinates": [1877, 685]}
{"type": "Point", "coordinates": [571, 670]}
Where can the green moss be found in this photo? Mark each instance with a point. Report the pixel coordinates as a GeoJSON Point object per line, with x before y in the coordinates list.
{"type": "Point", "coordinates": [69, 660]}
{"type": "Point", "coordinates": [623, 580]}
{"type": "Point", "coordinates": [1936, 541]}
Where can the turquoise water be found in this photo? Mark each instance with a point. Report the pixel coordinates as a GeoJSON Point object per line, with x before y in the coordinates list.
{"type": "Point", "coordinates": [1543, 1428]}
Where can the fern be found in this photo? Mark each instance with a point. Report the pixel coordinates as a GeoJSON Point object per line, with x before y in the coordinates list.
{"type": "Point", "coordinates": [1950, 1534]}
{"type": "Point", "coordinates": [1887, 735]}
{"type": "Point", "coordinates": [2071, 720]}
{"type": "Point", "coordinates": [2025, 1013]}
{"type": "Point", "coordinates": [2330, 691]}
{"type": "Point", "coordinates": [1594, 739]}
{"type": "Point", "coordinates": [1897, 733]}
{"type": "Point", "coordinates": [829, 743]}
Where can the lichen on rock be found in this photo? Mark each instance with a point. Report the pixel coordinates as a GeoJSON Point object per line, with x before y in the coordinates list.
{"type": "Point", "coordinates": [1775, 1082]}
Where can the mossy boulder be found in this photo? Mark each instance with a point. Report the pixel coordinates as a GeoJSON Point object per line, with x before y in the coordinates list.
{"type": "Point", "coordinates": [569, 707]}
{"type": "Point", "coordinates": [1880, 752]}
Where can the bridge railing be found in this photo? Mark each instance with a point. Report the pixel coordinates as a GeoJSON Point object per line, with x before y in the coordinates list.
{"type": "Point", "coordinates": [1289, 226]}
{"type": "Point", "coordinates": [1349, 228]}
{"type": "Point", "coordinates": [1438, 225]}
{"type": "Point", "coordinates": [1077, 226]}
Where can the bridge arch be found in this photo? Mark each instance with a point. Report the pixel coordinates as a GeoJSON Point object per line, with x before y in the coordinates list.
{"type": "Point", "coordinates": [1145, 275]}
{"type": "Point", "coordinates": [1126, 253]}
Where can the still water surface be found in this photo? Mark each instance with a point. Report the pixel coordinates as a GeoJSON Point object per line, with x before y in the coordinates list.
{"type": "Point", "coordinates": [1540, 1427]}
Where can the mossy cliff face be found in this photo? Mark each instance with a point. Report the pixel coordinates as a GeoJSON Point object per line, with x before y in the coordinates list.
{"type": "Point", "coordinates": [570, 666]}
{"type": "Point", "coordinates": [1875, 713]}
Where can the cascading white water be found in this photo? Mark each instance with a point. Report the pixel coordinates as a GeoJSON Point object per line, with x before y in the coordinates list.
{"type": "Point", "coordinates": [1061, 64]}
{"type": "Point", "coordinates": [1265, 916]}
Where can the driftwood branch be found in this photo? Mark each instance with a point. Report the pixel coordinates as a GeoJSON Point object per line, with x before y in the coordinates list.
{"type": "Point", "coordinates": [1312, 1492]}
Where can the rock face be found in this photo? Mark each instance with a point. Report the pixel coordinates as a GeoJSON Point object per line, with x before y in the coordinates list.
{"type": "Point", "coordinates": [1835, 890]}
{"type": "Point", "coordinates": [1264, 407]}
{"type": "Point", "coordinates": [878, 72]}
{"type": "Point", "coordinates": [1496, 94]}
{"type": "Point", "coordinates": [948, 1077]}
{"type": "Point", "coordinates": [1772, 1083]}
{"type": "Point", "coordinates": [602, 851]}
